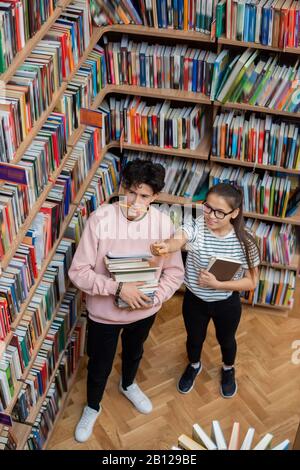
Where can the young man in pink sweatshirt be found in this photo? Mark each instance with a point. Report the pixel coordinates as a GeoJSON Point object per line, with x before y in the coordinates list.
{"type": "Point", "coordinates": [124, 229]}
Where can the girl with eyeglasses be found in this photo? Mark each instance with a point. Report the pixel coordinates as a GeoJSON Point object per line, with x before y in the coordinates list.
{"type": "Point", "coordinates": [219, 232]}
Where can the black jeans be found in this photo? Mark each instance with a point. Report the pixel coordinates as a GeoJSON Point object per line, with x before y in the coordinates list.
{"type": "Point", "coordinates": [101, 349]}
{"type": "Point", "coordinates": [226, 315]}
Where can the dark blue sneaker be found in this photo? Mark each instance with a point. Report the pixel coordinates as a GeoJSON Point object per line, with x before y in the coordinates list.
{"type": "Point", "coordinates": [228, 383]}
{"type": "Point", "coordinates": [186, 382]}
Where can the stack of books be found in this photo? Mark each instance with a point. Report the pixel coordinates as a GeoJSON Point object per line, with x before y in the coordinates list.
{"type": "Point", "coordinates": [133, 268]}
{"type": "Point", "coordinates": [200, 440]}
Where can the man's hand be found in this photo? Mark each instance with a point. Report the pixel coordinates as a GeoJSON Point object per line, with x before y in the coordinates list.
{"type": "Point", "coordinates": [206, 279]}
{"type": "Point", "coordinates": [159, 248]}
{"type": "Point", "coordinates": [134, 297]}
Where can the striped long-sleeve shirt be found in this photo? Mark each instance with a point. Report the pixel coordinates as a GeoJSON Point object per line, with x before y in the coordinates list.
{"type": "Point", "coordinates": [202, 245]}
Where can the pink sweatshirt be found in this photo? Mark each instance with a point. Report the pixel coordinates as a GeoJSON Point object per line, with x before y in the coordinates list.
{"type": "Point", "coordinates": [106, 230]}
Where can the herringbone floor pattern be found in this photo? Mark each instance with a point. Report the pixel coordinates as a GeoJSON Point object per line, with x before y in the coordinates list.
{"type": "Point", "coordinates": [268, 397]}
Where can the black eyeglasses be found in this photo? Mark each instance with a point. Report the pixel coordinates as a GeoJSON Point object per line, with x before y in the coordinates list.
{"type": "Point", "coordinates": [217, 213]}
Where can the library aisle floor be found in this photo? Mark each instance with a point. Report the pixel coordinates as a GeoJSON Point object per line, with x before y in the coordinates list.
{"type": "Point", "coordinates": [268, 397]}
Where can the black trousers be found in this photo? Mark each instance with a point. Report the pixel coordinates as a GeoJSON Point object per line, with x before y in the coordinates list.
{"type": "Point", "coordinates": [225, 314]}
{"type": "Point", "coordinates": [101, 349]}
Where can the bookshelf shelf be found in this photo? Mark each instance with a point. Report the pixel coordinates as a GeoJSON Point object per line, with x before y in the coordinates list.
{"type": "Point", "coordinates": [292, 50]}
{"type": "Point", "coordinates": [170, 199]}
{"type": "Point", "coordinates": [21, 56]}
{"type": "Point", "coordinates": [293, 266]}
{"type": "Point", "coordinates": [257, 109]}
{"type": "Point", "coordinates": [159, 33]}
{"type": "Point", "coordinates": [232, 161]}
{"type": "Point", "coordinates": [294, 220]}
{"type": "Point", "coordinates": [201, 153]}
{"type": "Point", "coordinates": [282, 308]}
{"type": "Point", "coordinates": [159, 93]}
{"type": "Point", "coordinates": [253, 45]}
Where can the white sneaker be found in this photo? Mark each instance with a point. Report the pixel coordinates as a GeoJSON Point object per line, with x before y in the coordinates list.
{"type": "Point", "coordinates": [86, 423]}
{"type": "Point", "coordinates": [137, 398]}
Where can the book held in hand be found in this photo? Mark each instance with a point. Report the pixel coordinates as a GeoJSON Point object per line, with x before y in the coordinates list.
{"type": "Point", "coordinates": [223, 268]}
{"type": "Point", "coordinates": [133, 267]}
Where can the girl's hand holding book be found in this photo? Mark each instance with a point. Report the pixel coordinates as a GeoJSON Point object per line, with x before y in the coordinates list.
{"type": "Point", "coordinates": [207, 279]}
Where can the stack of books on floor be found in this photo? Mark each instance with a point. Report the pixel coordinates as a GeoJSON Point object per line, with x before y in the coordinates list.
{"type": "Point", "coordinates": [133, 268]}
{"type": "Point", "coordinates": [200, 440]}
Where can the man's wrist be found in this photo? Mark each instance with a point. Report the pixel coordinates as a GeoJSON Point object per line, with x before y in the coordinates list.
{"type": "Point", "coordinates": [118, 291]}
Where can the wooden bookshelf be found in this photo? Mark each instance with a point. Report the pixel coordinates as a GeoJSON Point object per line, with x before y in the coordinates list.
{"type": "Point", "coordinates": [292, 50]}
{"type": "Point", "coordinates": [159, 33]}
{"type": "Point", "coordinates": [294, 220]}
{"type": "Point", "coordinates": [62, 403]}
{"type": "Point", "coordinates": [23, 430]}
{"type": "Point", "coordinates": [31, 43]}
{"type": "Point", "coordinates": [59, 93]}
{"type": "Point", "coordinates": [274, 307]}
{"type": "Point", "coordinates": [232, 161]}
{"type": "Point", "coordinates": [257, 109]}
{"type": "Point", "coordinates": [34, 210]}
{"type": "Point", "coordinates": [202, 153]}
{"type": "Point", "coordinates": [253, 45]}
{"type": "Point", "coordinates": [293, 266]}
{"type": "Point", "coordinates": [35, 410]}
{"type": "Point", "coordinates": [35, 352]}
{"type": "Point", "coordinates": [159, 93]}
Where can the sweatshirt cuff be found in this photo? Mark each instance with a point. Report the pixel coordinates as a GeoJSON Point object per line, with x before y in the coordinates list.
{"type": "Point", "coordinates": [112, 286]}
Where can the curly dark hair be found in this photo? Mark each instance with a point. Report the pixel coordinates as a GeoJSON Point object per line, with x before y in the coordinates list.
{"type": "Point", "coordinates": [139, 171]}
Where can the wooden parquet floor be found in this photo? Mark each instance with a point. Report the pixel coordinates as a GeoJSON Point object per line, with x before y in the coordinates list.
{"type": "Point", "coordinates": [268, 397]}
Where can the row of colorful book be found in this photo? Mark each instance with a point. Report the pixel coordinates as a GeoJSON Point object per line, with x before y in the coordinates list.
{"type": "Point", "coordinates": [178, 67]}
{"type": "Point", "coordinates": [52, 347]}
{"type": "Point", "coordinates": [19, 21]}
{"type": "Point", "coordinates": [190, 179]}
{"type": "Point", "coordinates": [17, 355]}
{"type": "Point", "coordinates": [184, 177]}
{"type": "Point", "coordinates": [265, 140]}
{"type": "Point", "coordinates": [186, 15]}
{"type": "Point", "coordinates": [30, 90]}
{"type": "Point", "coordinates": [264, 194]}
{"type": "Point", "coordinates": [257, 79]}
{"type": "Point", "coordinates": [277, 243]}
{"type": "Point", "coordinates": [275, 287]}
{"type": "Point", "coordinates": [83, 88]}
{"type": "Point", "coordinates": [21, 274]}
{"type": "Point", "coordinates": [160, 125]}
{"type": "Point", "coordinates": [57, 389]}
{"type": "Point", "coordinates": [13, 209]}
{"type": "Point", "coordinates": [216, 439]}
{"type": "Point", "coordinates": [269, 22]}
